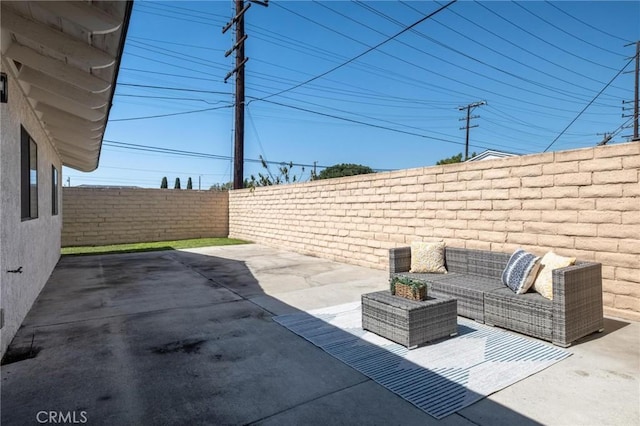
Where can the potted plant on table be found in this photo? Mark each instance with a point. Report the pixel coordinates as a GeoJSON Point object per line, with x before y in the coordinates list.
{"type": "Point", "coordinates": [408, 288]}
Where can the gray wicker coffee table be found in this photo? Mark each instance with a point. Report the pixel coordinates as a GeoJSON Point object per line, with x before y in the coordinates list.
{"type": "Point", "coordinates": [408, 322]}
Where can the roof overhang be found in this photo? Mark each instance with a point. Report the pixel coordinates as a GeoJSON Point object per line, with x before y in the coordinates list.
{"type": "Point", "coordinates": [66, 56]}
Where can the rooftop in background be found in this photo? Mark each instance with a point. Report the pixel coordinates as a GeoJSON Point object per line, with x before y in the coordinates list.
{"type": "Point", "coordinates": [491, 154]}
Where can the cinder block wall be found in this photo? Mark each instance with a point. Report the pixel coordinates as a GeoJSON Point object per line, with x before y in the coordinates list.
{"type": "Point", "coordinates": [100, 216]}
{"type": "Point", "coordinates": [583, 203]}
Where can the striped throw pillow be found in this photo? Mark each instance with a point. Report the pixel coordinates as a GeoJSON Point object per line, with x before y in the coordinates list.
{"type": "Point", "coordinates": [521, 271]}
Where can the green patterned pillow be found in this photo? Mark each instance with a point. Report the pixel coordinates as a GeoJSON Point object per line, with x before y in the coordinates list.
{"type": "Point", "coordinates": [427, 258]}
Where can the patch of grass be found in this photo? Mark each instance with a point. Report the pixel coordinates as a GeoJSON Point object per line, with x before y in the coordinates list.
{"type": "Point", "coordinates": [154, 246]}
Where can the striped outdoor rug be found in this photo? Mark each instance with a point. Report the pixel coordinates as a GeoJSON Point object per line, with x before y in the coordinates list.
{"type": "Point", "coordinates": [439, 378]}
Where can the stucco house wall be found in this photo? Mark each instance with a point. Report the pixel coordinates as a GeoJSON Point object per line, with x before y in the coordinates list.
{"type": "Point", "coordinates": [62, 62]}
{"type": "Point", "coordinates": [31, 244]}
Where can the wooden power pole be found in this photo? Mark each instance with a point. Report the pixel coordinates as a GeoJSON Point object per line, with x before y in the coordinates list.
{"type": "Point", "coordinates": [241, 60]}
{"type": "Point", "coordinates": [469, 117]}
{"type": "Point", "coordinates": [635, 100]}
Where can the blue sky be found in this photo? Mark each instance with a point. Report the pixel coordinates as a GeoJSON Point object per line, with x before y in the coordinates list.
{"type": "Point", "coordinates": [536, 64]}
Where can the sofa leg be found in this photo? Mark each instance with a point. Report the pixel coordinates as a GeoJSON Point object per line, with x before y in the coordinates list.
{"type": "Point", "coordinates": [489, 324]}
{"type": "Point", "coordinates": [562, 345]}
{"type": "Point", "coordinates": [601, 330]}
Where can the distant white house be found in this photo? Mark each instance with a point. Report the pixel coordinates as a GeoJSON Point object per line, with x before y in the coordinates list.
{"type": "Point", "coordinates": [491, 154]}
{"type": "Point", "coordinates": [58, 68]}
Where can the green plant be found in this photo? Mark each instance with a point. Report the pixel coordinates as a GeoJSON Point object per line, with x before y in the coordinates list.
{"type": "Point", "coordinates": [340, 170]}
{"type": "Point", "coordinates": [286, 175]}
{"type": "Point", "coordinates": [164, 184]}
{"type": "Point", "coordinates": [454, 159]}
{"type": "Point", "coordinates": [415, 285]}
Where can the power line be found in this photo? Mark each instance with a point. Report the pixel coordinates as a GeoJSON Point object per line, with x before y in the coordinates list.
{"type": "Point", "coordinates": [175, 88]}
{"type": "Point", "coordinates": [509, 57]}
{"type": "Point", "coordinates": [166, 98]}
{"type": "Point", "coordinates": [361, 122]}
{"type": "Point", "coordinates": [493, 67]}
{"type": "Point", "coordinates": [148, 148]}
{"type": "Point", "coordinates": [171, 114]}
{"type": "Point", "coordinates": [163, 42]}
{"type": "Point", "coordinates": [363, 53]}
{"type": "Point", "coordinates": [586, 23]}
{"type": "Point", "coordinates": [171, 74]}
{"type": "Point", "coordinates": [589, 104]}
{"type": "Point", "coordinates": [541, 39]}
{"type": "Point", "coordinates": [566, 32]}
{"type": "Point", "coordinates": [518, 46]}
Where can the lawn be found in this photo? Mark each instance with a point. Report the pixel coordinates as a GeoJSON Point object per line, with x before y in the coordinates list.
{"type": "Point", "coordinates": [154, 246]}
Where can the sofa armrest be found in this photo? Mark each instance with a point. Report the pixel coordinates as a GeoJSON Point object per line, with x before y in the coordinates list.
{"type": "Point", "coordinates": [577, 302]}
{"type": "Point", "coordinates": [399, 260]}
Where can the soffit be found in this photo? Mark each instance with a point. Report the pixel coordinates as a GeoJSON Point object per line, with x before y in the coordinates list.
{"type": "Point", "coordinates": [66, 55]}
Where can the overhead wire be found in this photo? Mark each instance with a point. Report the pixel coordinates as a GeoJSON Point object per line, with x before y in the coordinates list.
{"type": "Point", "coordinates": [170, 114]}
{"type": "Point", "coordinates": [195, 154]}
{"type": "Point", "coordinates": [541, 39]}
{"type": "Point", "coordinates": [312, 85]}
{"type": "Point", "coordinates": [473, 58]}
{"type": "Point", "coordinates": [566, 32]}
{"type": "Point", "coordinates": [409, 27]}
{"type": "Point", "coordinates": [518, 46]}
{"type": "Point", "coordinates": [541, 105]}
{"type": "Point", "coordinates": [529, 66]}
{"type": "Point", "coordinates": [589, 104]}
{"type": "Point", "coordinates": [600, 30]}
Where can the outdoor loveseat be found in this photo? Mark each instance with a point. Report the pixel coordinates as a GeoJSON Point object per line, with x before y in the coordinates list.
{"type": "Point", "coordinates": [474, 280]}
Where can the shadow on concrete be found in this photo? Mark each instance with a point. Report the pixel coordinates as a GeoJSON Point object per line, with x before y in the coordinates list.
{"type": "Point", "coordinates": [121, 251]}
{"type": "Point", "coordinates": [187, 338]}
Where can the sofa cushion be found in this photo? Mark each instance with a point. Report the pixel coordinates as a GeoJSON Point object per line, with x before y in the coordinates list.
{"type": "Point", "coordinates": [427, 257]}
{"type": "Point", "coordinates": [544, 282]}
{"type": "Point", "coordinates": [469, 290]}
{"type": "Point", "coordinates": [528, 313]}
{"type": "Point", "coordinates": [476, 262]}
{"type": "Point", "coordinates": [520, 271]}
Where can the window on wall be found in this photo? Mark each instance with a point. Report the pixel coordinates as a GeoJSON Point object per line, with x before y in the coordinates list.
{"type": "Point", "coordinates": [54, 190]}
{"type": "Point", "coordinates": [29, 175]}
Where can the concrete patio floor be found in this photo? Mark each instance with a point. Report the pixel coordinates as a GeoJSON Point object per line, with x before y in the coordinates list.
{"type": "Point", "coordinates": [186, 337]}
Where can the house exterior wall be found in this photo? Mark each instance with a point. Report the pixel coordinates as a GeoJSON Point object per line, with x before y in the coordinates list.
{"type": "Point", "coordinates": [101, 216]}
{"type": "Point", "coordinates": [583, 203]}
{"type": "Point", "coordinates": [32, 244]}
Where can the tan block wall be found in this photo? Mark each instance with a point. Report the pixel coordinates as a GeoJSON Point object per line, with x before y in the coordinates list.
{"type": "Point", "coordinates": [583, 203]}
{"type": "Point", "coordinates": [101, 216]}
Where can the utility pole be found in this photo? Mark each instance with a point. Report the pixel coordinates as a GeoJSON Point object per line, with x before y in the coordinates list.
{"type": "Point", "coordinates": [469, 117]}
{"type": "Point", "coordinates": [241, 60]}
{"type": "Point", "coordinates": [606, 138]}
{"type": "Point", "coordinates": [636, 137]}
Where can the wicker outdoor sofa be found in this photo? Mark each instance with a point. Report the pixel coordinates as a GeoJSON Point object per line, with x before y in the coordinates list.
{"type": "Point", "coordinates": [474, 280]}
